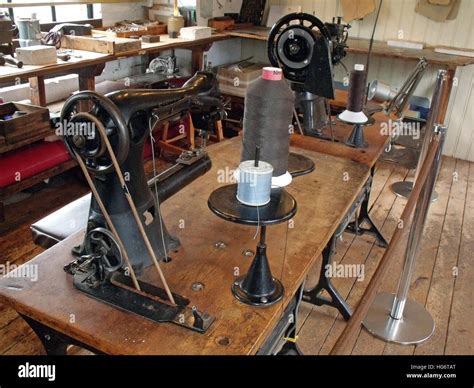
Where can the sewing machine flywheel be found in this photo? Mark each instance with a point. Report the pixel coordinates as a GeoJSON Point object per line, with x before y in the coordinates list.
{"type": "Point", "coordinates": [82, 134]}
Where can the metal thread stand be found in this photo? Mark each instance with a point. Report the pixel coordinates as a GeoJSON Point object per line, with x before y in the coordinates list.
{"type": "Point", "coordinates": [394, 318]}
{"type": "Point", "coordinates": [258, 287]}
{"type": "Point", "coordinates": [404, 188]}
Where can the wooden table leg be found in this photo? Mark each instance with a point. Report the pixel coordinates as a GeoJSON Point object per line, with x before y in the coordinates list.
{"type": "Point", "coordinates": [87, 76]}
{"type": "Point", "coordinates": [197, 57]}
{"type": "Point", "coordinates": [37, 91]}
{"type": "Point", "coordinates": [87, 81]}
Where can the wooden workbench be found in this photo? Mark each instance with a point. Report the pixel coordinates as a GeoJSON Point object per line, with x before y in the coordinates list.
{"type": "Point", "coordinates": [88, 64]}
{"type": "Point", "coordinates": [323, 198]}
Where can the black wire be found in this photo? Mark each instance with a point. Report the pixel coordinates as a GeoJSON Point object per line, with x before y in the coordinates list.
{"type": "Point", "coordinates": [372, 38]}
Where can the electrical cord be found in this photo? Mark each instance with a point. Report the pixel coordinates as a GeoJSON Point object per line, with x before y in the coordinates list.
{"type": "Point", "coordinates": [369, 53]}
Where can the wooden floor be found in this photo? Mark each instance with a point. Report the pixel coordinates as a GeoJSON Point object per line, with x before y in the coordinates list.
{"type": "Point", "coordinates": [443, 280]}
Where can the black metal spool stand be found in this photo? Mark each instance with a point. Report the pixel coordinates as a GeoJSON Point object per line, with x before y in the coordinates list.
{"type": "Point", "coordinates": [356, 138]}
{"type": "Point", "coordinates": [258, 287]}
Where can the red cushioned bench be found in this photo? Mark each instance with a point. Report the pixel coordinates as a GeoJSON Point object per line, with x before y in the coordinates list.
{"type": "Point", "coordinates": [29, 165]}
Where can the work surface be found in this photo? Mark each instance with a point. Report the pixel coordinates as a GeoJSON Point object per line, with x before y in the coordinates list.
{"type": "Point", "coordinates": [323, 198]}
{"type": "Point", "coordinates": [340, 131]}
{"type": "Point", "coordinates": [81, 59]}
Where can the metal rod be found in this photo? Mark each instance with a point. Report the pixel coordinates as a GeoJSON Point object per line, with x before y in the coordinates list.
{"type": "Point", "coordinates": [416, 229]}
{"type": "Point", "coordinates": [441, 84]}
{"type": "Point", "coordinates": [257, 156]}
{"type": "Point", "coordinates": [107, 218]}
{"type": "Point", "coordinates": [295, 114]}
{"type": "Point", "coordinates": [401, 99]}
{"type": "Point", "coordinates": [263, 234]}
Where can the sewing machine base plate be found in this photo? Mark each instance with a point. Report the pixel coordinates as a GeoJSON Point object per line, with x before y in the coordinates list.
{"type": "Point", "coordinates": [118, 291]}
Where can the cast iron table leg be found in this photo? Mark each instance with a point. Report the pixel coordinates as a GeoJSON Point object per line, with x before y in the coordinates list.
{"type": "Point", "coordinates": [356, 228]}
{"type": "Point", "coordinates": [314, 296]}
{"type": "Point", "coordinates": [54, 342]}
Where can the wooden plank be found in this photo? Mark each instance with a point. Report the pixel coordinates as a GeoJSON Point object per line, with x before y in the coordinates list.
{"type": "Point", "coordinates": [32, 139]}
{"type": "Point", "coordinates": [13, 333]}
{"type": "Point", "coordinates": [105, 45]}
{"type": "Point", "coordinates": [442, 282]}
{"type": "Point", "coordinates": [7, 315]}
{"type": "Point", "coordinates": [246, 327]}
{"type": "Point", "coordinates": [460, 338]}
{"type": "Point", "coordinates": [37, 91]}
{"type": "Point", "coordinates": [29, 344]}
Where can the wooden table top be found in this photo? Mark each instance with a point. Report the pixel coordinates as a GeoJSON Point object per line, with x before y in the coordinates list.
{"type": "Point", "coordinates": [323, 197]}
{"type": "Point", "coordinates": [361, 46]}
{"type": "Point", "coordinates": [374, 137]}
{"type": "Point", "coordinates": [341, 131]}
{"type": "Point", "coordinates": [88, 58]}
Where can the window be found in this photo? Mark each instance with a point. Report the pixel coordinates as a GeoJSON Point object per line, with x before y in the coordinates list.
{"type": "Point", "coordinates": [59, 13]}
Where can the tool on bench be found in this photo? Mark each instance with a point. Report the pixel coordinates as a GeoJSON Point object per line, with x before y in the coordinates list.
{"type": "Point", "coordinates": [7, 59]}
{"type": "Point", "coordinates": [125, 231]}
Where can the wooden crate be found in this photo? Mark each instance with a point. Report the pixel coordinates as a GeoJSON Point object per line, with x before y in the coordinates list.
{"type": "Point", "coordinates": [35, 120]}
{"type": "Point", "coordinates": [103, 45]}
{"type": "Point", "coordinates": [153, 29]}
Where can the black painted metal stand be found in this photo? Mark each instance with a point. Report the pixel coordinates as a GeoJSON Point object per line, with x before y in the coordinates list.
{"type": "Point", "coordinates": [314, 295]}
{"type": "Point", "coordinates": [363, 216]}
{"type": "Point", "coordinates": [257, 287]}
{"type": "Point", "coordinates": [54, 342]}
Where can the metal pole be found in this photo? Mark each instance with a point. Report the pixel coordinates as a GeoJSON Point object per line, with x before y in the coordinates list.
{"type": "Point", "coordinates": [404, 189]}
{"type": "Point", "coordinates": [416, 230]}
{"type": "Point", "coordinates": [395, 318]}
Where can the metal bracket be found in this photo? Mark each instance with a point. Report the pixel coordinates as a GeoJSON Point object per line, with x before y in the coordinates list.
{"type": "Point", "coordinates": [118, 291]}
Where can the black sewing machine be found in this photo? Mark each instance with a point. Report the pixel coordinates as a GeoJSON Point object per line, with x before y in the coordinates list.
{"type": "Point", "coordinates": [125, 226]}
{"type": "Point", "coordinates": [307, 49]}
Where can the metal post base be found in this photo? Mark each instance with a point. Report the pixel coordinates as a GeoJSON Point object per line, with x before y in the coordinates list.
{"type": "Point", "coordinates": [416, 325]}
{"type": "Point", "coordinates": [404, 189]}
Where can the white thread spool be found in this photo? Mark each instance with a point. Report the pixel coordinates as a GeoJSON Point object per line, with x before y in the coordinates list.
{"type": "Point", "coordinates": [254, 183]}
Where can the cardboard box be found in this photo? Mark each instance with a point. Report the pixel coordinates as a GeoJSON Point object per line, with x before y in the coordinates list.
{"type": "Point", "coordinates": [235, 79]}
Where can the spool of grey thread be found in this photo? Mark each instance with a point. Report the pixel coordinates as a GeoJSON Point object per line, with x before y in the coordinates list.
{"type": "Point", "coordinates": [268, 115]}
{"type": "Point", "coordinates": [254, 183]}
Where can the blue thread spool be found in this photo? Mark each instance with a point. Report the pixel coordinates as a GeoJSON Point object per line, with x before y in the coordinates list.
{"type": "Point", "coordinates": [254, 183]}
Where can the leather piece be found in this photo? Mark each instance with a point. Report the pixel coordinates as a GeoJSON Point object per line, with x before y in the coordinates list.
{"type": "Point", "coordinates": [357, 9]}
{"type": "Point", "coordinates": [439, 13]}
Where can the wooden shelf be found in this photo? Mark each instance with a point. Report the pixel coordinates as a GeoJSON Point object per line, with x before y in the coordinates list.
{"type": "Point", "coordinates": [361, 46]}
